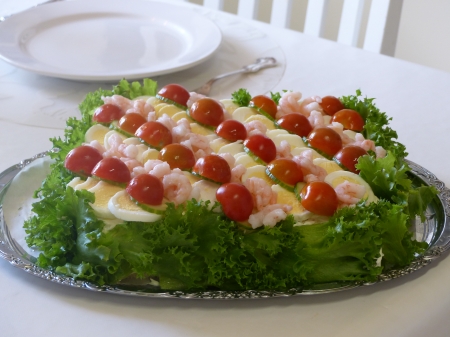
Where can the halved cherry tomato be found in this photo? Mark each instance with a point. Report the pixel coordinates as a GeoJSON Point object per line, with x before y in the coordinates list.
{"type": "Point", "coordinates": [330, 105]}
{"type": "Point", "coordinates": [231, 130]}
{"type": "Point", "coordinates": [286, 170]}
{"type": "Point", "coordinates": [320, 198]}
{"type": "Point", "coordinates": [82, 159]}
{"type": "Point", "coordinates": [155, 134]}
{"type": "Point", "coordinates": [131, 122]}
{"type": "Point", "coordinates": [350, 119]}
{"type": "Point", "coordinates": [326, 140]}
{"type": "Point", "coordinates": [262, 147]}
{"type": "Point", "coordinates": [348, 157]}
{"type": "Point", "coordinates": [207, 111]}
{"type": "Point", "coordinates": [107, 113]}
{"type": "Point", "coordinates": [146, 189]}
{"type": "Point", "coordinates": [112, 169]}
{"type": "Point", "coordinates": [175, 93]}
{"type": "Point", "coordinates": [236, 201]}
{"type": "Point", "coordinates": [213, 167]}
{"type": "Point", "coordinates": [265, 105]}
{"type": "Point", "coordinates": [295, 123]}
{"type": "Point", "coordinates": [177, 156]}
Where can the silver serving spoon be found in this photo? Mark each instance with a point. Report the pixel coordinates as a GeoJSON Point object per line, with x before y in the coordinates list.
{"type": "Point", "coordinates": [261, 63]}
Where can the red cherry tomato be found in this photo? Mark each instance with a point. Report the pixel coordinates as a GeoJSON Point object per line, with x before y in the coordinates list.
{"type": "Point", "coordinates": [231, 130]}
{"type": "Point", "coordinates": [214, 168]}
{"type": "Point", "coordinates": [236, 201]}
{"type": "Point", "coordinates": [146, 189]}
{"type": "Point", "coordinates": [112, 169]}
{"type": "Point", "coordinates": [107, 113]}
{"type": "Point", "coordinates": [207, 111]}
{"type": "Point", "coordinates": [262, 147]}
{"type": "Point", "coordinates": [326, 140]}
{"type": "Point", "coordinates": [348, 157]}
{"type": "Point", "coordinates": [320, 198]}
{"type": "Point", "coordinates": [286, 170]}
{"type": "Point", "coordinates": [350, 119]}
{"type": "Point", "coordinates": [295, 123]}
{"type": "Point", "coordinates": [82, 159]}
{"type": "Point", "coordinates": [175, 93]}
{"type": "Point", "coordinates": [131, 122]}
{"type": "Point", "coordinates": [177, 156]}
{"type": "Point", "coordinates": [330, 105]}
{"type": "Point", "coordinates": [155, 134]}
{"type": "Point", "coordinates": [266, 104]}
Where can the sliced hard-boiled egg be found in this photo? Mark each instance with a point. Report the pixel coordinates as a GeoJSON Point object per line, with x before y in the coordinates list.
{"type": "Point", "coordinates": [338, 177]}
{"type": "Point", "coordinates": [108, 135]}
{"type": "Point", "coordinates": [103, 193]}
{"type": "Point", "coordinates": [86, 185]}
{"type": "Point", "coordinates": [275, 132]}
{"type": "Point", "coordinates": [329, 165]}
{"type": "Point", "coordinates": [180, 115]}
{"type": "Point", "coordinates": [286, 197]}
{"type": "Point", "coordinates": [294, 141]}
{"type": "Point", "coordinates": [217, 143]}
{"type": "Point", "coordinates": [132, 141]}
{"type": "Point", "coordinates": [149, 154]}
{"type": "Point", "coordinates": [298, 151]}
{"type": "Point", "coordinates": [74, 182]}
{"type": "Point", "coordinates": [96, 132]}
{"type": "Point", "coordinates": [159, 107]}
{"type": "Point", "coordinates": [257, 171]}
{"type": "Point", "coordinates": [351, 134]}
{"type": "Point", "coordinates": [243, 113]}
{"type": "Point", "coordinates": [201, 130]}
{"type": "Point", "coordinates": [169, 110]}
{"type": "Point", "coordinates": [245, 160]}
{"type": "Point", "coordinates": [205, 190]}
{"type": "Point", "coordinates": [192, 179]}
{"type": "Point", "coordinates": [122, 207]}
{"type": "Point", "coordinates": [232, 148]}
{"type": "Point", "coordinates": [229, 105]}
{"type": "Point", "coordinates": [263, 119]}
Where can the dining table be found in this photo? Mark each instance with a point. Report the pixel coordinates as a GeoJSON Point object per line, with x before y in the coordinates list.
{"type": "Point", "coordinates": [34, 108]}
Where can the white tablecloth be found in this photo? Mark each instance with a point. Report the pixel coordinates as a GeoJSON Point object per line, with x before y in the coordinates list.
{"type": "Point", "coordinates": [33, 107]}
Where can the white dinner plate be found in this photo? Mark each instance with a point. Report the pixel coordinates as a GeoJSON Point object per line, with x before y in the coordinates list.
{"type": "Point", "coordinates": [107, 40]}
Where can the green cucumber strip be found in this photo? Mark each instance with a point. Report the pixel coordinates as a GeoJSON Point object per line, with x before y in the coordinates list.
{"type": "Point", "coordinates": [298, 190]}
{"type": "Point", "coordinates": [261, 111]}
{"type": "Point", "coordinates": [254, 157]}
{"type": "Point", "coordinates": [115, 126]}
{"type": "Point", "coordinates": [288, 187]}
{"type": "Point", "coordinates": [115, 183]}
{"type": "Point", "coordinates": [209, 127]}
{"type": "Point", "coordinates": [169, 101]}
{"type": "Point", "coordinates": [205, 178]}
{"type": "Point", "coordinates": [156, 209]}
{"type": "Point", "coordinates": [305, 140]}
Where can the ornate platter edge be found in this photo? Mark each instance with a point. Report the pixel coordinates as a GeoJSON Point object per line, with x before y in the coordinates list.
{"type": "Point", "coordinates": [437, 225]}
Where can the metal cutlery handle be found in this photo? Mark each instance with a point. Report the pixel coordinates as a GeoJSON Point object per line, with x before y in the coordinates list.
{"type": "Point", "coordinates": [261, 63]}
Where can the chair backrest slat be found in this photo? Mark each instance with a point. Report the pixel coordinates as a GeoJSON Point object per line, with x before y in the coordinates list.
{"type": "Point", "coordinates": [213, 4]}
{"type": "Point", "coordinates": [248, 9]}
{"type": "Point", "coordinates": [315, 17]}
{"type": "Point", "coordinates": [350, 25]}
{"type": "Point", "coordinates": [281, 13]}
{"type": "Point", "coordinates": [382, 26]}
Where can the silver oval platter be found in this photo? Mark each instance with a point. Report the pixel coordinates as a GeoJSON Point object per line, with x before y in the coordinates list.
{"type": "Point", "coordinates": [435, 230]}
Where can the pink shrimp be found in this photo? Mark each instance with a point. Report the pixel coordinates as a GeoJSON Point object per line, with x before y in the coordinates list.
{"type": "Point", "coordinates": [177, 187]}
{"type": "Point", "coordinates": [310, 104]}
{"type": "Point", "coordinates": [310, 171]}
{"type": "Point", "coordinates": [349, 193]}
{"type": "Point", "coordinates": [316, 119]}
{"type": "Point", "coordinates": [289, 103]}
{"type": "Point", "coordinates": [199, 144]}
{"type": "Point", "coordinates": [237, 172]}
{"type": "Point", "coordinates": [122, 102]}
{"type": "Point", "coordinates": [160, 170]}
{"type": "Point", "coordinates": [270, 215]}
{"type": "Point", "coordinates": [366, 144]}
{"type": "Point", "coordinates": [339, 128]}
{"type": "Point", "coordinates": [229, 158]}
{"type": "Point", "coordinates": [181, 130]}
{"type": "Point", "coordinates": [194, 97]}
{"type": "Point", "coordinates": [255, 127]}
{"type": "Point", "coordinates": [96, 145]}
{"type": "Point", "coordinates": [114, 141]}
{"type": "Point", "coordinates": [261, 192]}
{"type": "Point", "coordinates": [130, 151]}
{"type": "Point", "coordinates": [284, 150]}
{"type": "Point", "coordinates": [167, 121]}
{"type": "Point", "coordinates": [131, 163]}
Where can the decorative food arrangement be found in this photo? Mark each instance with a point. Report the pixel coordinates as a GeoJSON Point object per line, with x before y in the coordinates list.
{"type": "Point", "coordinates": [253, 192]}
